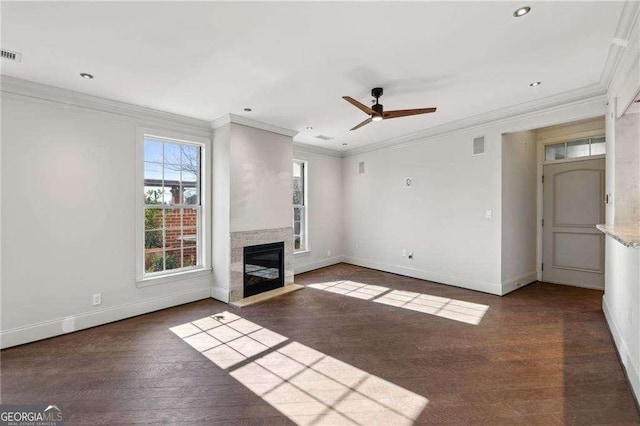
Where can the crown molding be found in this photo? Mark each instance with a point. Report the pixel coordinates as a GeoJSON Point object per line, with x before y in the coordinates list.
{"type": "Point", "coordinates": [628, 19]}
{"type": "Point", "coordinates": [311, 149]}
{"type": "Point", "coordinates": [243, 121]}
{"type": "Point", "coordinates": [591, 93]}
{"type": "Point", "coordinates": [44, 93]}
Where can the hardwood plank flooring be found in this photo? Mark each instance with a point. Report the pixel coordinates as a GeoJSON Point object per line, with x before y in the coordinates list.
{"type": "Point", "coordinates": [541, 355]}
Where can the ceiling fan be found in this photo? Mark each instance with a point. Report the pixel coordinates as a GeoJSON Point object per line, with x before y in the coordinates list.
{"type": "Point", "coordinates": [377, 112]}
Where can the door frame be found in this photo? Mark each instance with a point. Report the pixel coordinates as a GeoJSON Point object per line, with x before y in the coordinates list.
{"type": "Point", "coordinates": [539, 187]}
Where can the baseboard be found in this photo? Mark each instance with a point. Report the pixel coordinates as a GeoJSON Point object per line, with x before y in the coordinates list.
{"type": "Point", "coordinates": [518, 282]}
{"type": "Point", "coordinates": [221, 294]}
{"type": "Point", "coordinates": [322, 263]}
{"type": "Point", "coordinates": [477, 285]}
{"type": "Point", "coordinates": [626, 357]}
{"type": "Point", "coordinates": [44, 330]}
{"type": "Point", "coordinates": [587, 286]}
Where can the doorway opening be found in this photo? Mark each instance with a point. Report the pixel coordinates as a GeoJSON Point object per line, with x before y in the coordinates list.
{"type": "Point", "coordinates": [553, 198]}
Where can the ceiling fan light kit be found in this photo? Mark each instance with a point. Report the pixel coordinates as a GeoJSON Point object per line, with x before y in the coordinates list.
{"type": "Point", "coordinates": [377, 112]}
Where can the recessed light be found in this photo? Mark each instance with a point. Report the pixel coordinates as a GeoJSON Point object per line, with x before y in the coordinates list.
{"type": "Point", "coordinates": [86, 75]}
{"type": "Point", "coordinates": [309, 128]}
{"type": "Point", "coordinates": [521, 12]}
{"type": "Point", "coordinates": [247, 110]}
{"type": "Point", "coordinates": [535, 83]}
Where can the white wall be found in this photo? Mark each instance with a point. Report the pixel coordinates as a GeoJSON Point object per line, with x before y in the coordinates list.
{"type": "Point", "coordinates": [261, 179]}
{"type": "Point", "coordinates": [324, 205]}
{"type": "Point", "coordinates": [68, 220]}
{"type": "Point", "coordinates": [621, 302]}
{"type": "Point", "coordinates": [222, 212]}
{"type": "Point", "coordinates": [442, 218]}
{"type": "Point", "coordinates": [519, 206]}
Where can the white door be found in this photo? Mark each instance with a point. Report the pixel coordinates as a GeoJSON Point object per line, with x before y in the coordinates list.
{"type": "Point", "coordinates": [573, 249]}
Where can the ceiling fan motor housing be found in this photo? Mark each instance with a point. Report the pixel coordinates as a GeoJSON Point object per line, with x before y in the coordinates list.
{"type": "Point", "coordinates": [377, 108]}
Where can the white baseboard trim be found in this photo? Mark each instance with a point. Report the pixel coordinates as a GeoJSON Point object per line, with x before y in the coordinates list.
{"type": "Point", "coordinates": [477, 285]}
{"type": "Point", "coordinates": [322, 263]}
{"type": "Point", "coordinates": [221, 294]}
{"type": "Point", "coordinates": [590, 287]}
{"type": "Point", "coordinates": [46, 329]}
{"type": "Point", "coordinates": [632, 370]}
{"type": "Point", "coordinates": [518, 282]}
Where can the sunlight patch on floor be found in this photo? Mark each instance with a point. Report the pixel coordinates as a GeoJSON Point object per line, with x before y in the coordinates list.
{"type": "Point", "coordinates": [459, 310]}
{"type": "Point", "coordinates": [351, 288]}
{"type": "Point", "coordinates": [226, 339]}
{"type": "Point", "coordinates": [307, 386]}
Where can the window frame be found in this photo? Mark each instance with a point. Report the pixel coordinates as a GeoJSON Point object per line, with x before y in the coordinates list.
{"type": "Point", "coordinates": [566, 142]}
{"type": "Point", "coordinates": [304, 226]}
{"type": "Point", "coordinates": [204, 238]}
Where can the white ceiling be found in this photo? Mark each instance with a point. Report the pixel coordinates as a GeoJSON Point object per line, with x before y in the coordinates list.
{"type": "Point", "coordinates": [292, 62]}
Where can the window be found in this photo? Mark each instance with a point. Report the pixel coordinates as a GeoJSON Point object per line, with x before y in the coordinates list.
{"type": "Point", "coordinates": [172, 206]}
{"type": "Point", "coordinates": [575, 149]}
{"type": "Point", "coordinates": [300, 242]}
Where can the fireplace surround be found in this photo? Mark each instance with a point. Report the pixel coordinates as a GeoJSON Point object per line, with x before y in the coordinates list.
{"type": "Point", "coordinates": [242, 239]}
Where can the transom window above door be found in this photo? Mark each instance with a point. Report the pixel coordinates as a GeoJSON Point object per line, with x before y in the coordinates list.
{"type": "Point", "coordinates": [586, 147]}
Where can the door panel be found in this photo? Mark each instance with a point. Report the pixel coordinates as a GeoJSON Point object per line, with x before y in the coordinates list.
{"type": "Point", "coordinates": [577, 202]}
{"type": "Point", "coordinates": [573, 249]}
{"type": "Point", "coordinates": [577, 251]}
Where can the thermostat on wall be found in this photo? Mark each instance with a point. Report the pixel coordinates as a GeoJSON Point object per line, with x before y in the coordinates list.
{"type": "Point", "coordinates": [408, 182]}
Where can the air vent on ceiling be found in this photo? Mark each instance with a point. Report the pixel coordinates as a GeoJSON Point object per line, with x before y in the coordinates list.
{"type": "Point", "coordinates": [12, 56]}
{"type": "Point", "coordinates": [478, 145]}
{"type": "Point", "coordinates": [361, 167]}
{"type": "Point", "coordinates": [324, 138]}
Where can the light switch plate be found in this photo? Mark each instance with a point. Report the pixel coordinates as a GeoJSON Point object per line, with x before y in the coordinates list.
{"type": "Point", "coordinates": [488, 213]}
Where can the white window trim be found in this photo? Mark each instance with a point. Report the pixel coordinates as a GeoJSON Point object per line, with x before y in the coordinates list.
{"type": "Point", "coordinates": [305, 180]}
{"type": "Point", "coordinates": [205, 200]}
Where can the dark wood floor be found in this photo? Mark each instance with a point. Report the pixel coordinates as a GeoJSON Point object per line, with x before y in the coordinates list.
{"type": "Point", "coordinates": [541, 355]}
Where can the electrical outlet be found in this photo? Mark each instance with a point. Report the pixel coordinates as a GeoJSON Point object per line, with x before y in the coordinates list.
{"type": "Point", "coordinates": [97, 299]}
{"type": "Point", "coordinates": [404, 252]}
{"type": "Point", "coordinates": [357, 245]}
{"type": "Point", "coordinates": [488, 213]}
{"type": "Point", "coordinates": [328, 253]}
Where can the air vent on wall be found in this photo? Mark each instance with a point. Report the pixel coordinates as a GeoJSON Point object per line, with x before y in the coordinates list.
{"type": "Point", "coordinates": [478, 145]}
{"type": "Point", "coordinates": [361, 167]}
{"type": "Point", "coordinates": [11, 56]}
{"type": "Point", "coordinates": [324, 138]}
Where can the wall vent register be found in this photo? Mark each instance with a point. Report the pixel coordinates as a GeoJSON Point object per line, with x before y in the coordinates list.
{"type": "Point", "coordinates": [478, 145]}
{"type": "Point", "coordinates": [11, 56]}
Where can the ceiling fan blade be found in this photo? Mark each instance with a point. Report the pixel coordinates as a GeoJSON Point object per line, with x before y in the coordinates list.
{"type": "Point", "coordinates": [364, 123]}
{"type": "Point", "coordinates": [360, 106]}
{"type": "Point", "coordinates": [407, 112]}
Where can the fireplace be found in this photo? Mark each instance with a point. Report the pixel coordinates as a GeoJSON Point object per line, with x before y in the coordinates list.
{"type": "Point", "coordinates": [263, 268]}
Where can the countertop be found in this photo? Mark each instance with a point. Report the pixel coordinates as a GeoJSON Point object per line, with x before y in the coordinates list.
{"type": "Point", "coordinates": [627, 235]}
